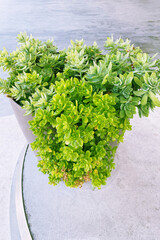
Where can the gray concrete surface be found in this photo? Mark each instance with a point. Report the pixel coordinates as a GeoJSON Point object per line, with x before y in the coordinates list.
{"type": "Point", "coordinates": [128, 207]}
{"type": "Point", "coordinates": [11, 143]}
{"type": "Point", "coordinates": [5, 108]}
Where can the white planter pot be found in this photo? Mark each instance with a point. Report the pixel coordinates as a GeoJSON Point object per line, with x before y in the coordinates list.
{"type": "Point", "coordinates": [23, 121]}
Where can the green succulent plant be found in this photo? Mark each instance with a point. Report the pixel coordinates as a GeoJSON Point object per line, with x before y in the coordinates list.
{"type": "Point", "coordinates": [33, 65]}
{"type": "Point", "coordinates": [82, 100]}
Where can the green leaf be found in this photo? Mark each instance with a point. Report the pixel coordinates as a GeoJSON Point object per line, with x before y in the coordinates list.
{"type": "Point", "coordinates": [79, 142]}
{"type": "Point", "coordinates": [110, 67]}
{"type": "Point", "coordinates": [139, 93]}
{"type": "Point", "coordinates": [122, 99]}
{"type": "Point", "coordinates": [105, 79]}
{"type": "Point", "coordinates": [138, 81]}
{"type": "Point", "coordinates": [146, 77]}
{"type": "Point", "coordinates": [122, 114]}
{"type": "Point", "coordinates": [129, 78]}
{"type": "Point", "coordinates": [144, 99]}
{"type": "Point", "coordinates": [155, 100]}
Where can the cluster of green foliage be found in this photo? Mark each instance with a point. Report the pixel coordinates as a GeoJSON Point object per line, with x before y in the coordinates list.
{"type": "Point", "coordinates": [81, 100]}
{"type": "Point", "coordinates": [32, 66]}
{"type": "Point", "coordinates": [74, 132]}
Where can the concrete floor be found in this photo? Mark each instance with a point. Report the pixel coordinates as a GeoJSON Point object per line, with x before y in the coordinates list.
{"type": "Point", "coordinates": [11, 143]}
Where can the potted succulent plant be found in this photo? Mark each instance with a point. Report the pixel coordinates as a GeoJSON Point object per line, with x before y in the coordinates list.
{"type": "Point", "coordinates": [80, 102]}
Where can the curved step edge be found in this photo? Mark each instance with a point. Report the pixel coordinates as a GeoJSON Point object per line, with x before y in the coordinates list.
{"type": "Point", "coordinates": [21, 215]}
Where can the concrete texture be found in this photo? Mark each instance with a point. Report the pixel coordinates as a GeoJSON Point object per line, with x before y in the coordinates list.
{"type": "Point", "coordinates": [91, 20]}
{"type": "Point", "coordinates": [11, 143]}
{"type": "Point", "coordinates": [127, 208]}
{"type": "Point", "coordinates": [5, 107]}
